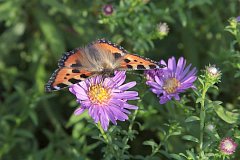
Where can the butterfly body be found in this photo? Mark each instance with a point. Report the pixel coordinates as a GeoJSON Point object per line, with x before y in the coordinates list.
{"type": "Point", "coordinates": [99, 58]}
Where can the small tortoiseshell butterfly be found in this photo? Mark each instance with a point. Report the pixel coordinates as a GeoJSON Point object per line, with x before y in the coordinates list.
{"type": "Point", "coordinates": [99, 58]}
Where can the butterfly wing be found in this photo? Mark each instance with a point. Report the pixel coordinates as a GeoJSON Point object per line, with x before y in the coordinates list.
{"type": "Point", "coordinates": [122, 59]}
{"type": "Point", "coordinates": [135, 62]}
{"type": "Point", "coordinates": [71, 58]}
{"type": "Point", "coordinates": [64, 77]}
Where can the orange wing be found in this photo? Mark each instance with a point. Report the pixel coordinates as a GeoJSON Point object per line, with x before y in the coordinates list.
{"type": "Point", "coordinates": [108, 47]}
{"type": "Point", "coordinates": [71, 59]}
{"type": "Point", "coordinates": [135, 62]}
{"type": "Point", "coordinates": [64, 77]}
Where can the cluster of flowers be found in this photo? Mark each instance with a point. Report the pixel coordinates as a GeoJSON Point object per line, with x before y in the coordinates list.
{"type": "Point", "coordinates": [106, 98]}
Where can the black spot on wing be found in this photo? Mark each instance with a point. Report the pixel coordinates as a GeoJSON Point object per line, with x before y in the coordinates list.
{"type": "Point", "coordinates": [62, 85]}
{"type": "Point", "coordinates": [83, 76]}
{"type": "Point", "coordinates": [129, 66]}
{"type": "Point", "coordinates": [135, 60]}
{"type": "Point", "coordinates": [117, 55]}
{"type": "Point", "coordinates": [140, 67]}
{"type": "Point", "coordinates": [73, 80]}
{"type": "Point", "coordinates": [75, 71]}
{"type": "Point", "coordinates": [151, 66]}
{"type": "Point", "coordinates": [77, 64]}
{"type": "Point", "coordinates": [127, 60]}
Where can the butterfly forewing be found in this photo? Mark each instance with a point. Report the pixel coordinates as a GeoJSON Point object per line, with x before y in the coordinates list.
{"type": "Point", "coordinates": [71, 58]}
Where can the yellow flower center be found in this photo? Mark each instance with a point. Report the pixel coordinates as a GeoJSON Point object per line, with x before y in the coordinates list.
{"type": "Point", "coordinates": [171, 85]}
{"type": "Point", "coordinates": [98, 95]}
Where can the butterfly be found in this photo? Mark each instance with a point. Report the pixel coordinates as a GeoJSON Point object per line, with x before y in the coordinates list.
{"type": "Point", "coordinates": [98, 58]}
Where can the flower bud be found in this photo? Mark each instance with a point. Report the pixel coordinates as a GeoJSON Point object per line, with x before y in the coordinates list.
{"type": "Point", "coordinates": [212, 74]}
{"type": "Point", "coordinates": [162, 29]}
{"type": "Point", "coordinates": [107, 9]}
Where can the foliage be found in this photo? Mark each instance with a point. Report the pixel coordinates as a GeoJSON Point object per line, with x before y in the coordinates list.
{"type": "Point", "coordinates": [38, 125]}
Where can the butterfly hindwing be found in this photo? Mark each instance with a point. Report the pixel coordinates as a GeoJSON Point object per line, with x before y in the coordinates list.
{"type": "Point", "coordinates": [135, 62]}
{"type": "Point", "coordinates": [64, 77]}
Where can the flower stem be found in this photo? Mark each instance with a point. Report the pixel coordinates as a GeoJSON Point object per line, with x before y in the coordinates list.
{"type": "Point", "coordinates": [129, 130]}
{"type": "Point", "coordinates": [102, 132]}
{"type": "Point", "coordinates": [202, 121]}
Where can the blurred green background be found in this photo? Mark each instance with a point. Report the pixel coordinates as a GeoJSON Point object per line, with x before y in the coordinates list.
{"type": "Point", "coordinates": [35, 33]}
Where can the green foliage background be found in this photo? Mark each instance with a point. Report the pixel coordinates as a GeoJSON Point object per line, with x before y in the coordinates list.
{"type": "Point", "coordinates": [35, 33]}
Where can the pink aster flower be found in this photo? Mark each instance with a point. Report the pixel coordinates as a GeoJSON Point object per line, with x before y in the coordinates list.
{"type": "Point", "coordinates": [168, 82]}
{"type": "Point", "coordinates": [105, 98]}
{"type": "Point", "coordinates": [227, 146]}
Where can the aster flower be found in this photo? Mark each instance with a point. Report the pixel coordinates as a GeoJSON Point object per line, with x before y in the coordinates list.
{"type": "Point", "coordinates": [168, 82]}
{"type": "Point", "coordinates": [105, 98]}
{"type": "Point", "coordinates": [227, 146]}
{"type": "Point", "coordinates": [107, 9]}
{"type": "Point", "coordinates": [238, 19]}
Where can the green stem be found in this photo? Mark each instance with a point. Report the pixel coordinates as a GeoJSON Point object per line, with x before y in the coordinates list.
{"type": "Point", "coordinates": [202, 121]}
{"type": "Point", "coordinates": [102, 132]}
{"type": "Point", "coordinates": [130, 129]}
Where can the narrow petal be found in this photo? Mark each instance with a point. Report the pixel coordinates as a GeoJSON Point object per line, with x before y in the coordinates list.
{"type": "Point", "coordinates": [191, 73]}
{"type": "Point", "coordinates": [125, 95]}
{"type": "Point", "coordinates": [172, 64]}
{"type": "Point", "coordinates": [129, 106]}
{"type": "Point", "coordinates": [180, 67]}
{"type": "Point", "coordinates": [185, 71]}
{"type": "Point", "coordinates": [177, 97]}
{"type": "Point", "coordinates": [111, 115]}
{"type": "Point", "coordinates": [163, 99]}
{"type": "Point", "coordinates": [127, 85]}
{"type": "Point", "coordinates": [79, 110]}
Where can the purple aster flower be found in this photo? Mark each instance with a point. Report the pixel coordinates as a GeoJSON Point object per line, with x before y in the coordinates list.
{"type": "Point", "coordinates": [227, 146]}
{"type": "Point", "coordinates": [107, 9]}
{"type": "Point", "coordinates": [168, 82]}
{"type": "Point", "coordinates": [105, 98]}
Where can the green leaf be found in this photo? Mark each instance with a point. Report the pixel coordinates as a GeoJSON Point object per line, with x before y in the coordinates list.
{"type": "Point", "coordinates": [191, 154]}
{"type": "Point", "coordinates": [150, 143]}
{"type": "Point", "coordinates": [190, 138]}
{"type": "Point", "coordinates": [199, 100]}
{"type": "Point", "coordinates": [192, 118]}
{"type": "Point", "coordinates": [175, 156]}
{"type": "Point", "coordinates": [227, 116]}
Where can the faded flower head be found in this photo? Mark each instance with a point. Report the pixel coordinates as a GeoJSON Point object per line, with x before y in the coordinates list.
{"type": "Point", "coordinates": [105, 98]}
{"type": "Point", "coordinates": [210, 127]}
{"type": "Point", "coordinates": [227, 146]}
{"type": "Point", "coordinates": [107, 9]}
{"type": "Point", "coordinates": [212, 74]}
{"type": "Point", "coordinates": [168, 82]}
{"type": "Point", "coordinates": [162, 29]}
